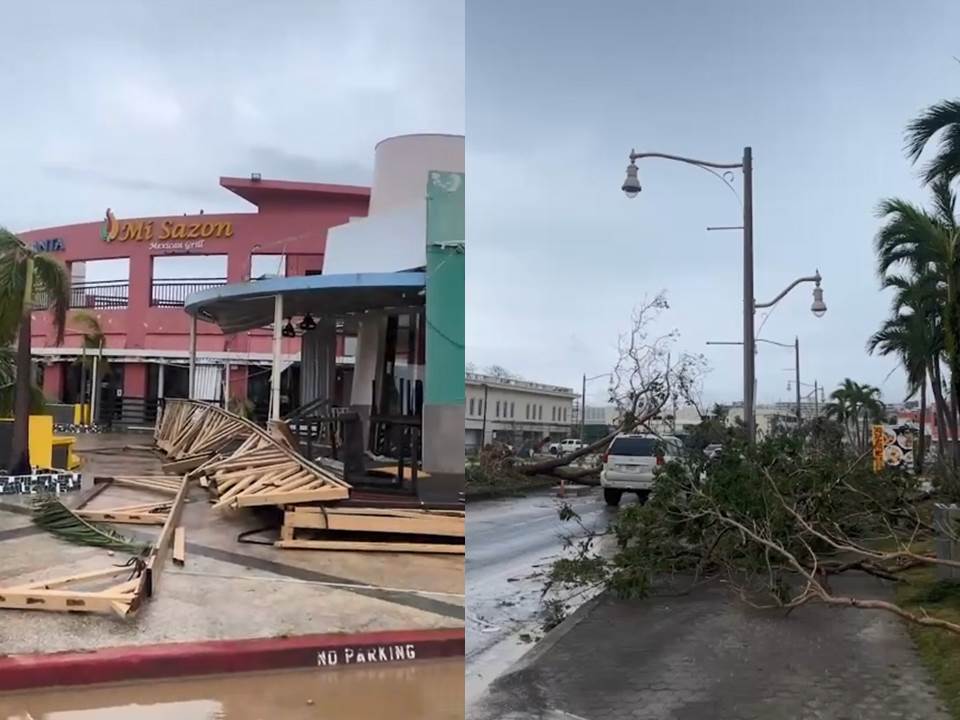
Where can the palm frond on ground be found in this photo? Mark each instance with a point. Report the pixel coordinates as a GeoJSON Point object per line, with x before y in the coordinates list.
{"type": "Point", "coordinates": [56, 518]}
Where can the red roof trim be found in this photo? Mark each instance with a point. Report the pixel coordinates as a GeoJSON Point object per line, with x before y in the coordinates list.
{"type": "Point", "coordinates": [257, 190]}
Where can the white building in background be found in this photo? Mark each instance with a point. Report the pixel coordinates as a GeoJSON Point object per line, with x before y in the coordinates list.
{"type": "Point", "coordinates": [517, 412]}
{"type": "Point", "coordinates": [768, 417]}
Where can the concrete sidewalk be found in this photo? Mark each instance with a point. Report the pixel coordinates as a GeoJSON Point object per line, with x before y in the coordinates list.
{"type": "Point", "coordinates": [705, 655]}
{"type": "Point", "coordinates": [227, 589]}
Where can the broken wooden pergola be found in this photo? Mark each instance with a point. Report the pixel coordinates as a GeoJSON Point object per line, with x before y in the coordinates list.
{"type": "Point", "coordinates": [243, 465]}
{"type": "Point", "coordinates": [99, 591]}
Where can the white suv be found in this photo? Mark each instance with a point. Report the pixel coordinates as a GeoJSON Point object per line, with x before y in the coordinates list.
{"type": "Point", "coordinates": [630, 461]}
{"type": "Point", "coordinates": [566, 446]}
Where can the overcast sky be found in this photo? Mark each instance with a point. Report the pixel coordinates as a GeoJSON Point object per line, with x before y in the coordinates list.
{"type": "Point", "coordinates": [556, 100]}
{"type": "Point", "coordinates": [140, 105]}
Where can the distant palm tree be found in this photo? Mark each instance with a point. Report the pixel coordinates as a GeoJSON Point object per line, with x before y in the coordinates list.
{"type": "Point", "coordinates": [855, 406]}
{"type": "Point", "coordinates": [25, 277]}
{"type": "Point", "coordinates": [944, 117]}
{"type": "Point", "coordinates": [92, 338]}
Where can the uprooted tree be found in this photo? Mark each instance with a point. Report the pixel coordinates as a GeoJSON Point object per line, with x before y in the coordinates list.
{"type": "Point", "coordinates": [777, 522]}
{"type": "Point", "coordinates": [646, 377]}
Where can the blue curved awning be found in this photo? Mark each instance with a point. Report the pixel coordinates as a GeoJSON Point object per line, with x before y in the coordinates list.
{"type": "Point", "coordinates": [245, 306]}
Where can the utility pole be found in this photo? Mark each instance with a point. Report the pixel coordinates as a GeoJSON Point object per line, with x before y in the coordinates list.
{"type": "Point", "coordinates": [796, 352]}
{"type": "Point", "coordinates": [816, 400]}
{"type": "Point", "coordinates": [749, 377]}
{"type": "Point", "coordinates": [483, 430]}
{"type": "Point", "coordinates": [583, 409]}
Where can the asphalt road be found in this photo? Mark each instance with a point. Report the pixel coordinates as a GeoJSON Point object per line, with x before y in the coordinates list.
{"type": "Point", "coordinates": [509, 544]}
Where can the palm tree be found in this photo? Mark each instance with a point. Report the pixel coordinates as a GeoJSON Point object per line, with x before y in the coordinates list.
{"type": "Point", "coordinates": [25, 276]}
{"type": "Point", "coordinates": [927, 244]}
{"type": "Point", "coordinates": [92, 338]}
{"type": "Point", "coordinates": [944, 117]}
{"type": "Point", "coordinates": [8, 382]}
{"type": "Point", "coordinates": [855, 406]}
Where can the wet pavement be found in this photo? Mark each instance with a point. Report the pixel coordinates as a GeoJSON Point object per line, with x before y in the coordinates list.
{"type": "Point", "coordinates": [706, 655]}
{"type": "Point", "coordinates": [424, 690]}
{"type": "Point", "coordinates": [509, 543]}
{"type": "Point", "coordinates": [226, 589]}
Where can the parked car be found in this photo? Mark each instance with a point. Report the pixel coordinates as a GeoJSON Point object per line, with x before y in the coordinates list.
{"type": "Point", "coordinates": [712, 451]}
{"type": "Point", "coordinates": [566, 446]}
{"type": "Point", "coordinates": [630, 462]}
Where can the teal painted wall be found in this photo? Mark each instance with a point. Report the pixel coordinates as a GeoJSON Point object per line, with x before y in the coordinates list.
{"type": "Point", "coordinates": [445, 309]}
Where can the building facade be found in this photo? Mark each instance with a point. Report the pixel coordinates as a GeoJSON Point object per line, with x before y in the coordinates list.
{"type": "Point", "coordinates": [517, 412]}
{"type": "Point", "coordinates": [154, 263]}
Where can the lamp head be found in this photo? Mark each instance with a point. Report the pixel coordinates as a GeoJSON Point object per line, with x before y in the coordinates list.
{"type": "Point", "coordinates": [288, 330]}
{"type": "Point", "coordinates": [308, 323]}
{"type": "Point", "coordinates": [631, 186]}
{"type": "Point", "coordinates": [819, 307]}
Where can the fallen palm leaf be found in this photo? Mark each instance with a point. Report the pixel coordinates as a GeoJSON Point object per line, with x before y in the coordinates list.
{"type": "Point", "coordinates": [56, 518]}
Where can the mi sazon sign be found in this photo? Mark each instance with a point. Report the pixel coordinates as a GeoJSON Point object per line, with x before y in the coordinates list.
{"type": "Point", "coordinates": [167, 230]}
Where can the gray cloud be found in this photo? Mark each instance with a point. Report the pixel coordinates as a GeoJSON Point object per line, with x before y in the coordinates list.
{"type": "Point", "coordinates": [279, 163]}
{"type": "Point", "coordinates": [557, 98]}
{"type": "Point", "coordinates": [141, 106]}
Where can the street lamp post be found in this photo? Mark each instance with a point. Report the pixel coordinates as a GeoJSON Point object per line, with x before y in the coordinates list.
{"type": "Point", "coordinates": [631, 187]}
{"type": "Point", "coordinates": [796, 348]}
{"type": "Point", "coordinates": [796, 367]}
{"type": "Point", "coordinates": [583, 403]}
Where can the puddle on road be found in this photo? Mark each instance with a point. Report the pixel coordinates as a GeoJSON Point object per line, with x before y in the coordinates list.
{"type": "Point", "coordinates": [427, 690]}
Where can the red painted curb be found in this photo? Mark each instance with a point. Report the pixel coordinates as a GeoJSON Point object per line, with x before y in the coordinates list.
{"type": "Point", "coordinates": [23, 672]}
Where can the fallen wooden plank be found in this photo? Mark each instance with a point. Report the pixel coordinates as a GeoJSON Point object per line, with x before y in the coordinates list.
{"type": "Point", "coordinates": [161, 549]}
{"type": "Point", "coordinates": [390, 547]}
{"type": "Point", "coordinates": [297, 496]}
{"type": "Point", "coordinates": [146, 484]}
{"type": "Point", "coordinates": [123, 518]}
{"type": "Point", "coordinates": [60, 581]}
{"type": "Point", "coordinates": [64, 601]}
{"type": "Point", "coordinates": [332, 520]}
{"type": "Point", "coordinates": [389, 511]}
{"type": "Point", "coordinates": [179, 546]}
{"type": "Point", "coordinates": [178, 467]}
{"type": "Point", "coordinates": [391, 471]}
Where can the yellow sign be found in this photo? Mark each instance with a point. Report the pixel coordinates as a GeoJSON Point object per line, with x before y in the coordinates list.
{"type": "Point", "coordinates": [140, 230]}
{"type": "Point", "coordinates": [878, 447]}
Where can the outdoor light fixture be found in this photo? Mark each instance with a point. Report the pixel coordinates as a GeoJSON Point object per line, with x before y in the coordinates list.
{"type": "Point", "coordinates": [631, 186]}
{"type": "Point", "coordinates": [308, 323]}
{"type": "Point", "coordinates": [288, 330]}
{"type": "Point", "coordinates": [819, 307]}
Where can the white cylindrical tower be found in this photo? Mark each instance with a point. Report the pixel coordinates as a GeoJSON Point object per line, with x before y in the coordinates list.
{"type": "Point", "coordinates": [401, 165]}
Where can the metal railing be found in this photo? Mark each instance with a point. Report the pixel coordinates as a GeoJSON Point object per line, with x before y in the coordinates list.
{"type": "Point", "coordinates": [97, 295]}
{"type": "Point", "coordinates": [115, 294]}
{"type": "Point", "coordinates": [126, 412]}
{"type": "Point", "coordinates": [173, 292]}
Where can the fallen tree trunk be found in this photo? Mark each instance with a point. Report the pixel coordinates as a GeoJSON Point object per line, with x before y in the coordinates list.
{"type": "Point", "coordinates": [546, 467]}
{"type": "Point", "coordinates": [549, 467]}
{"type": "Point", "coordinates": [583, 476]}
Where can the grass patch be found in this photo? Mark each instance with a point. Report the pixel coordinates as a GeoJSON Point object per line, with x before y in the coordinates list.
{"type": "Point", "coordinates": [939, 650]}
